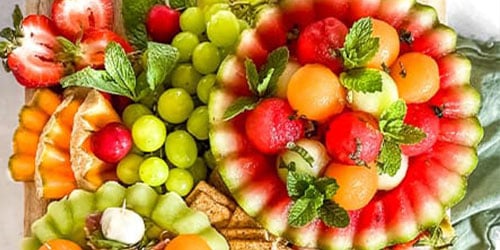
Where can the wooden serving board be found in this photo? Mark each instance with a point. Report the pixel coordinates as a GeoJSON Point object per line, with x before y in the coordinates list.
{"type": "Point", "coordinates": [34, 207]}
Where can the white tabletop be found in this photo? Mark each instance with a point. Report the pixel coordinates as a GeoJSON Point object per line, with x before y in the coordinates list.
{"type": "Point", "coordinates": [478, 19]}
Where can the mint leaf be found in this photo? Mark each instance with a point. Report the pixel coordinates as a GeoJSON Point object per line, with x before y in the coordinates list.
{"type": "Point", "coordinates": [359, 46]}
{"type": "Point", "coordinates": [411, 135]}
{"type": "Point", "coordinates": [134, 13]}
{"type": "Point", "coordinates": [275, 66]}
{"type": "Point", "coordinates": [333, 215]}
{"type": "Point", "coordinates": [98, 79]}
{"type": "Point", "coordinates": [252, 76]}
{"type": "Point", "coordinates": [239, 106]}
{"type": "Point", "coordinates": [297, 183]}
{"type": "Point", "coordinates": [395, 111]}
{"type": "Point", "coordinates": [302, 212]}
{"type": "Point", "coordinates": [119, 67]}
{"type": "Point", "coordinates": [362, 80]}
{"type": "Point", "coordinates": [264, 84]}
{"type": "Point", "coordinates": [161, 59]}
{"type": "Point", "coordinates": [389, 160]}
{"type": "Point", "coordinates": [327, 186]}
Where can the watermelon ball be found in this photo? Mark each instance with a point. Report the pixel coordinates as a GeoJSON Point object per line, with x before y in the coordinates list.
{"type": "Point", "coordinates": [421, 116]}
{"type": "Point", "coordinates": [354, 138]}
{"type": "Point", "coordinates": [272, 124]}
{"type": "Point", "coordinates": [319, 40]}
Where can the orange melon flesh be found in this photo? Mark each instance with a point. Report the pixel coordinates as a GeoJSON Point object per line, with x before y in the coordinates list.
{"type": "Point", "coordinates": [94, 113]}
{"type": "Point", "coordinates": [32, 119]}
{"type": "Point", "coordinates": [54, 176]}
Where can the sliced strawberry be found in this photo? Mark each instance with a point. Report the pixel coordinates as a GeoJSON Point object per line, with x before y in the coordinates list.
{"type": "Point", "coordinates": [33, 60]}
{"type": "Point", "coordinates": [73, 17]}
{"type": "Point", "coordinates": [272, 124]}
{"type": "Point", "coordinates": [93, 45]}
{"type": "Point", "coordinates": [319, 41]}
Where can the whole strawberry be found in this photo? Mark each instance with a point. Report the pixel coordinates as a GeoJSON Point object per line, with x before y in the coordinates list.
{"type": "Point", "coordinates": [354, 138]}
{"type": "Point", "coordinates": [112, 142]}
{"type": "Point", "coordinates": [162, 23]}
{"type": "Point", "coordinates": [272, 124]}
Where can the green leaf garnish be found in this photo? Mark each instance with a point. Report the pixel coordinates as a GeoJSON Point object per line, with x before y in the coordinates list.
{"type": "Point", "coordinates": [134, 15]}
{"type": "Point", "coordinates": [312, 199]}
{"type": "Point", "coordinates": [160, 61]}
{"type": "Point", "coordinates": [359, 46]}
{"type": "Point", "coordinates": [261, 83]}
{"type": "Point", "coordinates": [395, 132]}
{"type": "Point", "coordinates": [364, 80]}
{"type": "Point", "coordinates": [118, 76]}
{"type": "Point", "coordinates": [239, 106]}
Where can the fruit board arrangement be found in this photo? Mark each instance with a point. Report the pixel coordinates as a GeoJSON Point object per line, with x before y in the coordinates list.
{"type": "Point", "coordinates": [241, 124]}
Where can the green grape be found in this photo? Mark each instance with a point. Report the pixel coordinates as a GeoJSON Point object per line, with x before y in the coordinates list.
{"type": "Point", "coordinates": [175, 105]}
{"type": "Point", "coordinates": [223, 28]}
{"type": "Point", "coordinates": [132, 112]}
{"type": "Point", "coordinates": [127, 169]}
{"type": "Point", "coordinates": [209, 11]}
{"type": "Point", "coordinates": [154, 171]}
{"type": "Point", "coordinates": [193, 20]}
{"type": "Point", "coordinates": [206, 58]}
{"type": "Point", "coordinates": [180, 181]}
{"type": "Point", "coordinates": [185, 42]}
{"type": "Point", "coordinates": [198, 170]}
{"type": "Point", "coordinates": [209, 159]}
{"type": "Point", "coordinates": [181, 149]}
{"type": "Point", "coordinates": [197, 123]}
{"type": "Point", "coordinates": [148, 133]}
{"type": "Point", "coordinates": [205, 86]}
{"type": "Point", "coordinates": [185, 76]}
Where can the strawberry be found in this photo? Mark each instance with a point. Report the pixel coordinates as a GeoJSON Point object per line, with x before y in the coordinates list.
{"type": "Point", "coordinates": [74, 17]}
{"type": "Point", "coordinates": [354, 138]}
{"type": "Point", "coordinates": [31, 52]}
{"type": "Point", "coordinates": [318, 42]}
{"type": "Point", "coordinates": [162, 23]}
{"type": "Point", "coordinates": [272, 124]}
{"type": "Point", "coordinates": [90, 50]}
{"type": "Point", "coordinates": [421, 116]}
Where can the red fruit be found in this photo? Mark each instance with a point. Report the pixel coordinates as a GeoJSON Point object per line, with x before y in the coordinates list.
{"type": "Point", "coordinates": [33, 58]}
{"type": "Point", "coordinates": [297, 13]}
{"type": "Point", "coordinates": [73, 18]}
{"type": "Point", "coordinates": [112, 142]}
{"type": "Point", "coordinates": [272, 124]}
{"type": "Point", "coordinates": [162, 23]}
{"type": "Point", "coordinates": [318, 42]}
{"type": "Point", "coordinates": [327, 8]}
{"type": "Point", "coordinates": [91, 49]}
{"type": "Point", "coordinates": [249, 46]}
{"type": "Point", "coordinates": [363, 8]}
{"type": "Point", "coordinates": [421, 116]}
{"type": "Point", "coordinates": [354, 138]}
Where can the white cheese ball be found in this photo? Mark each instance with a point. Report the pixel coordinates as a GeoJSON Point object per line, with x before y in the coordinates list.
{"type": "Point", "coordinates": [122, 225]}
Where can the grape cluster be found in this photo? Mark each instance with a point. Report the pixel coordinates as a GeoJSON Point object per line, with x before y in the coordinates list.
{"type": "Point", "coordinates": [171, 135]}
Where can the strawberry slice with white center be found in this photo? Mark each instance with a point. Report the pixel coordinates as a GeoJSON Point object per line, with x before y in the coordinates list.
{"type": "Point", "coordinates": [33, 56]}
{"type": "Point", "coordinates": [73, 17]}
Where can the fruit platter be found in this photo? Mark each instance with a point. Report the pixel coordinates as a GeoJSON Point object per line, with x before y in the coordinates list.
{"type": "Point", "coordinates": [240, 124]}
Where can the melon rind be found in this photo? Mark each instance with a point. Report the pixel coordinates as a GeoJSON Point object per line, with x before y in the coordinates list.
{"type": "Point", "coordinates": [425, 194]}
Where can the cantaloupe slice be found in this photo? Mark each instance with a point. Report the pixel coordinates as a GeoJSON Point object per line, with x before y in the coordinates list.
{"type": "Point", "coordinates": [54, 176]}
{"type": "Point", "coordinates": [32, 119]}
{"type": "Point", "coordinates": [94, 113]}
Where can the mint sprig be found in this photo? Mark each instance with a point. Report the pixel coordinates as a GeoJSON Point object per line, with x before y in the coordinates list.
{"type": "Point", "coordinates": [395, 133]}
{"type": "Point", "coordinates": [118, 76]}
{"type": "Point", "coordinates": [312, 199]}
{"type": "Point", "coordinates": [134, 15]}
{"type": "Point", "coordinates": [359, 47]}
{"type": "Point", "coordinates": [261, 83]}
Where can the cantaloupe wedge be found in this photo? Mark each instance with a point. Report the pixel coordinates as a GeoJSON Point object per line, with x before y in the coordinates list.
{"type": "Point", "coordinates": [32, 119]}
{"type": "Point", "coordinates": [54, 176]}
{"type": "Point", "coordinates": [94, 113]}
